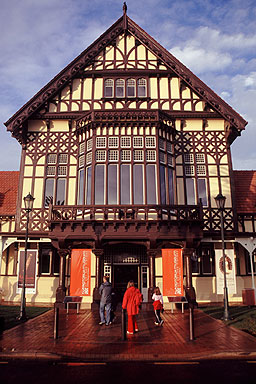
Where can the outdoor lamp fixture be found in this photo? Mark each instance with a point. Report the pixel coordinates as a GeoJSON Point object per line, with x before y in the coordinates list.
{"type": "Point", "coordinates": [220, 202]}
{"type": "Point", "coordinates": [28, 202]}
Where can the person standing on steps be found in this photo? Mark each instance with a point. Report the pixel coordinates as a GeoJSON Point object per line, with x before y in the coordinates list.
{"type": "Point", "coordinates": [131, 302]}
{"type": "Point", "coordinates": [158, 304]}
{"type": "Point", "coordinates": [105, 292]}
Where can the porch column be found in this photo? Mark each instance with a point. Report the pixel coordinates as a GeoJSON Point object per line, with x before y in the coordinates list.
{"type": "Point", "coordinates": [99, 254]}
{"type": "Point", "coordinates": [61, 290]}
{"type": "Point", "coordinates": [152, 274]}
{"type": "Point", "coordinates": [98, 278]}
{"type": "Point", "coordinates": [190, 291]}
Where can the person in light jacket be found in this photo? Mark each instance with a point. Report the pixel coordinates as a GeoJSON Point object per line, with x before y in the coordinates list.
{"type": "Point", "coordinates": [158, 304]}
{"type": "Point", "coordinates": [131, 302]}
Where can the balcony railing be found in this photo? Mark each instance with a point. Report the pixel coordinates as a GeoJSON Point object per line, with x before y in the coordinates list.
{"type": "Point", "coordinates": [119, 213]}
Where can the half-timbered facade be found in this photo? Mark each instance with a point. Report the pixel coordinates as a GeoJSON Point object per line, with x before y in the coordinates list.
{"type": "Point", "coordinates": [124, 152]}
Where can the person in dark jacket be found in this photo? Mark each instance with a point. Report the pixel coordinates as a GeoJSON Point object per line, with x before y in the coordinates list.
{"type": "Point", "coordinates": [105, 292]}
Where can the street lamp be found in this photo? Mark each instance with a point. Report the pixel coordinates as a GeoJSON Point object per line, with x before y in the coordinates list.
{"type": "Point", "coordinates": [28, 202]}
{"type": "Point", "coordinates": [220, 202]}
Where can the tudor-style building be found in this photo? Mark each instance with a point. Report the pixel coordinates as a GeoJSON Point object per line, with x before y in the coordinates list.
{"type": "Point", "coordinates": [124, 152]}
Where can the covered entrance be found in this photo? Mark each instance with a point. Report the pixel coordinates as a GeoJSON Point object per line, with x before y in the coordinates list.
{"type": "Point", "coordinates": [122, 274]}
{"type": "Point", "coordinates": [124, 262]}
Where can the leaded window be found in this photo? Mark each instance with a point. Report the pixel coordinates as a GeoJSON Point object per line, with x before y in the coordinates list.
{"type": "Point", "coordinates": [109, 88]}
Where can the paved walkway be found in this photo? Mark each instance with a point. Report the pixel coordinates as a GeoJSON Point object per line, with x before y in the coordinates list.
{"type": "Point", "coordinates": [80, 337]}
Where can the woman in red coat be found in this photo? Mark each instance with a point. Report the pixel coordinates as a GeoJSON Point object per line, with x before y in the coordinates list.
{"type": "Point", "coordinates": [131, 302]}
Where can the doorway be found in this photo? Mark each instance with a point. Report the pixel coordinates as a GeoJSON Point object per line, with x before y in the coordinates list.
{"type": "Point", "coordinates": [122, 274]}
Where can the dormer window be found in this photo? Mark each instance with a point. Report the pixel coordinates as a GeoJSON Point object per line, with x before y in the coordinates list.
{"type": "Point", "coordinates": [119, 88]}
{"type": "Point", "coordinates": [130, 88]}
{"type": "Point", "coordinates": [109, 88]}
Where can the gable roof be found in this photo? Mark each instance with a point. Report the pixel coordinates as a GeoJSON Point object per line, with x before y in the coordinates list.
{"type": "Point", "coordinates": [245, 190]}
{"type": "Point", "coordinates": [9, 181]}
{"type": "Point", "coordinates": [16, 123]}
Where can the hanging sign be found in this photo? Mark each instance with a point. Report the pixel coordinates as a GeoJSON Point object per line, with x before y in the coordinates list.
{"type": "Point", "coordinates": [80, 274]}
{"type": "Point", "coordinates": [30, 279]}
{"type": "Point", "coordinates": [230, 271]}
{"type": "Point", "coordinates": [172, 272]}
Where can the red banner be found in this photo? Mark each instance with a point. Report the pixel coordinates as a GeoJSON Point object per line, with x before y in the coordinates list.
{"type": "Point", "coordinates": [172, 272]}
{"type": "Point", "coordinates": [30, 280]}
{"type": "Point", "coordinates": [80, 275]}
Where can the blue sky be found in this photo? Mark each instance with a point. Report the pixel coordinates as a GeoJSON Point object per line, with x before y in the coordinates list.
{"type": "Point", "coordinates": [215, 39]}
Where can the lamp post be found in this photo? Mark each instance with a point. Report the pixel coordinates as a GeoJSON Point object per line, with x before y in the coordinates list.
{"type": "Point", "coordinates": [28, 202]}
{"type": "Point", "coordinates": [220, 202]}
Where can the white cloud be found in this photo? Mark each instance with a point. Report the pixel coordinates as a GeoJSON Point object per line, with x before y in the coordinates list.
{"type": "Point", "coordinates": [200, 60]}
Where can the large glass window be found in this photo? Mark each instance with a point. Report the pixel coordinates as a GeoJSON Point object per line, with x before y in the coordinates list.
{"type": "Point", "coordinates": [151, 184]}
{"type": "Point", "coordinates": [162, 185]}
{"type": "Point", "coordinates": [88, 185]}
{"type": "Point", "coordinates": [49, 191]}
{"type": "Point", "coordinates": [171, 186]}
{"type": "Point", "coordinates": [138, 191]}
{"type": "Point", "coordinates": [202, 194]}
{"type": "Point", "coordinates": [49, 261]}
{"type": "Point", "coordinates": [119, 88]}
{"type": "Point", "coordinates": [81, 187]}
{"type": "Point", "coordinates": [99, 184]}
{"type": "Point", "coordinates": [190, 188]}
{"type": "Point", "coordinates": [61, 191]}
{"type": "Point", "coordinates": [112, 184]}
{"type": "Point", "coordinates": [125, 184]}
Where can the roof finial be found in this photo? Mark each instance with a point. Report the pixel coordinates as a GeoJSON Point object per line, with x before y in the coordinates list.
{"type": "Point", "coordinates": [124, 8]}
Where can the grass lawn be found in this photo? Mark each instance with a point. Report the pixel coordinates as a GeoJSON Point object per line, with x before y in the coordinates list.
{"type": "Point", "coordinates": [242, 317]}
{"type": "Point", "coordinates": [11, 312]}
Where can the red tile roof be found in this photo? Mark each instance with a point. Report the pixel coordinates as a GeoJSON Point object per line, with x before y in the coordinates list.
{"type": "Point", "coordinates": [9, 181]}
{"type": "Point", "coordinates": [245, 190]}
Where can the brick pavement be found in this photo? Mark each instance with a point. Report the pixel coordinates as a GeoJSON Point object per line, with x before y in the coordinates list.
{"type": "Point", "coordinates": [80, 337]}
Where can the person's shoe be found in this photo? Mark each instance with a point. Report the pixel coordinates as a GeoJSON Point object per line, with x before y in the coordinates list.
{"type": "Point", "coordinates": [156, 323]}
{"type": "Point", "coordinates": [161, 323]}
{"type": "Point", "coordinates": [110, 323]}
{"type": "Point", "coordinates": [129, 333]}
{"type": "Point", "coordinates": [101, 323]}
{"type": "Point", "coordinates": [136, 330]}
{"type": "Point", "coordinates": [106, 324]}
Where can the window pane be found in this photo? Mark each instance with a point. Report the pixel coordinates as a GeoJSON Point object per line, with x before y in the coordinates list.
{"type": "Point", "coordinates": [141, 87]}
{"type": "Point", "coordinates": [61, 187]}
{"type": "Point", "coordinates": [162, 185]}
{"type": "Point", "coordinates": [130, 88]}
{"type": "Point", "coordinates": [138, 184]}
{"type": "Point", "coordinates": [55, 262]}
{"type": "Point", "coordinates": [195, 265]}
{"type": "Point", "coordinates": [151, 184]}
{"type": "Point", "coordinates": [109, 88]}
{"type": "Point", "coordinates": [81, 188]}
{"type": "Point", "coordinates": [119, 88]}
{"type": "Point", "coordinates": [48, 195]}
{"type": "Point", "coordinates": [206, 261]}
{"type": "Point", "coordinates": [99, 184]}
{"type": "Point", "coordinates": [112, 184]}
{"type": "Point", "coordinates": [125, 184]}
{"type": "Point", "coordinates": [190, 187]}
{"type": "Point", "coordinates": [171, 188]}
{"type": "Point", "coordinates": [45, 260]}
{"type": "Point", "coordinates": [89, 186]}
{"type": "Point", "coordinates": [201, 185]}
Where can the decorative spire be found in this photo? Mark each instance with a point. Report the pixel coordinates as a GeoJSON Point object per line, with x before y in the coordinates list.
{"type": "Point", "coordinates": [125, 16]}
{"type": "Point", "coordinates": [124, 8]}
